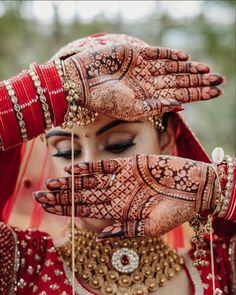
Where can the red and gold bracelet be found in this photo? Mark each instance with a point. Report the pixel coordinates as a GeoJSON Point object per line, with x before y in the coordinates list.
{"type": "Point", "coordinates": [55, 91]}
{"type": "Point", "coordinates": [228, 197]}
{"type": "Point", "coordinates": [226, 173]}
{"type": "Point", "coordinates": [24, 104]}
{"type": "Point", "coordinates": [17, 109]}
{"type": "Point", "coordinates": [40, 92]}
{"type": "Point", "coordinates": [32, 103]}
{"type": "Point", "coordinates": [7, 115]}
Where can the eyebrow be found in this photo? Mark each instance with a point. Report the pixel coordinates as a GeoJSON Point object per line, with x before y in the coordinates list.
{"type": "Point", "coordinates": [113, 124]}
{"type": "Point", "coordinates": [60, 133]}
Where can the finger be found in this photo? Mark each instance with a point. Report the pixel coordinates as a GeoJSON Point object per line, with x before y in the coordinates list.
{"type": "Point", "coordinates": [64, 197]}
{"type": "Point", "coordinates": [98, 181]}
{"type": "Point", "coordinates": [101, 211]}
{"type": "Point", "coordinates": [102, 166]}
{"type": "Point", "coordinates": [187, 80]}
{"type": "Point", "coordinates": [163, 67]}
{"type": "Point", "coordinates": [61, 197]}
{"type": "Point", "coordinates": [153, 106]}
{"type": "Point", "coordinates": [134, 228]}
{"type": "Point", "coordinates": [185, 95]}
{"type": "Point", "coordinates": [153, 53]}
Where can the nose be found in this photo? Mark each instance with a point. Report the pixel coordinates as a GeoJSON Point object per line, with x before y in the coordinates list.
{"type": "Point", "coordinates": [90, 153]}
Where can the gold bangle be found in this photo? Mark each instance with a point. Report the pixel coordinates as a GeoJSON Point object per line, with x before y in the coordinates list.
{"type": "Point", "coordinates": [76, 114]}
{"type": "Point", "coordinates": [225, 199]}
{"type": "Point", "coordinates": [40, 92]}
{"type": "Point", "coordinates": [17, 109]}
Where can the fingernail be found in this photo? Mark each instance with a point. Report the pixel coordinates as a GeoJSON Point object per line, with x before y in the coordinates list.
{"type": "Point", "coordinates": [105, 235]}
{"type": "Point", "coordinates": [66, 168]}
{"type": "Point", "coordinates": [100, 239]}
{"type": "Point", "coordinates": [38, 195]}
{"type": "Point", "coordinates": [177, 109]}
{"type": "Point", "coordinates": [216, 79]}
{"type": "Point", "coordinates": [214, 92]}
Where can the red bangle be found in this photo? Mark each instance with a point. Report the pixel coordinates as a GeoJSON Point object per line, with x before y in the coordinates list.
{"type": "Point", "coordinates": [24, 103]}
{"type": "Point", "coordinates": [231, 210]}
{"type": "Point", "coordinates": [55, 91]}
{"type": "Point", "coordinates": [34, 104]}
{"type": "Point", "coordinates": [44, 85]}
{"type": "Point", "coordinates": [9, 128]}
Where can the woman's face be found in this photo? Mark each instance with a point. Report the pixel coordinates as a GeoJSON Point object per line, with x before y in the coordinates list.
{"type": "Point", "coordinates": [105, 139]}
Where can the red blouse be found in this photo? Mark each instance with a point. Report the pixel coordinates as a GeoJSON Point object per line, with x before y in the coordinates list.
{"type": "Point", "coordinates": [37, 268]}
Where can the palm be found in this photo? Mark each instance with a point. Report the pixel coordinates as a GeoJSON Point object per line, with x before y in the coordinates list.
{"type": "Point", "coordinates": [146, 195]}
{"type": "Point", "coordinates": [130, 82]}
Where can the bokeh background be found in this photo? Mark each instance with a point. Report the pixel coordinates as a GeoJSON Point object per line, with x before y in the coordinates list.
{"type": "Point", "coordinates": [35, 30]}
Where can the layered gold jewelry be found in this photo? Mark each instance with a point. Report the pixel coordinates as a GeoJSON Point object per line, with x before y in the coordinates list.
{"type": "Point", "coordinates": [157, 122]}
{"type": "Point", "coordinates": [124, 265]}
{"type": "Point", "coordinates": [76, 114]}
{"type": "Point", "coordinates": [225, 199]}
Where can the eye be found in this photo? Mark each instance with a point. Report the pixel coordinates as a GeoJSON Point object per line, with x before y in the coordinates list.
{"type": "Point", "coordinates": [120, 147]}
{"type": "Point", "coordinates": [67, 154]}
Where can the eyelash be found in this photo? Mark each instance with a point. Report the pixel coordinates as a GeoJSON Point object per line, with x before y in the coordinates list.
{"type": "Point", "coordinates": [113, 148]}
{"type": "Point", "coordinates": [119, 147]}
{"type": "Point", "coordinates": [67, 154]}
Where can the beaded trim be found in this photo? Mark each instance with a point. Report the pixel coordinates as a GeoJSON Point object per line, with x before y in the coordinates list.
{"type": "Point", "coordinates": [79, 289]}
{"type": "Point", "coordinates": [17, 108]}
{"type": "Point", "coordinates": [225, 199]}
{"type": "Point", "coordinates": [232, 259]}
{"type": "Point", "coordinates": [42, 97]}
{"type": "Point", "coordinates": [16, 260]}
{"type": "Point", "coordinates": [194, 274]}
{"type": "Point", "coordinates": [12, 289]}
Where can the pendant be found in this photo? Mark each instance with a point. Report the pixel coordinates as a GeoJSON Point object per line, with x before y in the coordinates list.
{"type": "Point", "coordinates": [125, 260]}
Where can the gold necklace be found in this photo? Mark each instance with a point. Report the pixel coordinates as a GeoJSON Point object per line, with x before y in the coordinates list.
{"type": "Point", "coordinates": [122, 265]}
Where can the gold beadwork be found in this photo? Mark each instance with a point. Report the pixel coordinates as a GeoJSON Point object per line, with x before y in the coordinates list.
{"type": "Point", "coordinates": [17, 109]}
{"type": "Point", "coordinates": [157, 122]}
{"type": "Point", "coordinates": [93, 263]}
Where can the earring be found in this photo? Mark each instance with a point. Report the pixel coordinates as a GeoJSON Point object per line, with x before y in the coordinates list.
{"type": "Point", "coordinates": [157, 122]}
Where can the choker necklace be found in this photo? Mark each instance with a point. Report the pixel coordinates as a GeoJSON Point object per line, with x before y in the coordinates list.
{"type": "Point", "coordinates": [121, 265]}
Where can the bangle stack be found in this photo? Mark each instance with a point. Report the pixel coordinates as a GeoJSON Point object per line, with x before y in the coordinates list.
{"type": "Point", "coordinates": [225, 198]}
{"type": "Point", "coordinates": [42, 97]}
{"type": "Point", "coordinates": [17, 110]}
{"type": "Point", "coordinates": [76, 114]}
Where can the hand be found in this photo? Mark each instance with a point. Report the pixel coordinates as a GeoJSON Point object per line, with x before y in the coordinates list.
{"type": "Point", "coordinates": [131, 83]}
{"type": "Point", "coordinates": [145, 195]}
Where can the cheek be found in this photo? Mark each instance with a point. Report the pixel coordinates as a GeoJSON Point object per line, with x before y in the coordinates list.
{"type": "Point", "coordinates": [147, 142]}
{"type": "Point", "coordinates": [57, 164]}
{"type": "Point", "coordinates": [58, 167]}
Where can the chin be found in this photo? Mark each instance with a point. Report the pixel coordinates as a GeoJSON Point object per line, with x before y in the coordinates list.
{"type": "Point", "coordinates": [93, 224]}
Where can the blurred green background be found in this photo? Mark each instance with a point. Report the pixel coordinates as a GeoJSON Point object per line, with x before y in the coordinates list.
{"type": "Point", "coordinates": [35, 30]}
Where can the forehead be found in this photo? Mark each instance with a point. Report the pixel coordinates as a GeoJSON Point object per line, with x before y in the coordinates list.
{"type": "Point", "coordinates": [101, 124]}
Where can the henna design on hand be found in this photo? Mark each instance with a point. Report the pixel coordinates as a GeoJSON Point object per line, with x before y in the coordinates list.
{"type": "Point", "coordinates": [133, 82]}
{"type": "Point", "coordinates": [148, 196]}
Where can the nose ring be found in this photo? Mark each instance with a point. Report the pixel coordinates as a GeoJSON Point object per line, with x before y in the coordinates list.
{"type": "Point", "coordinates": [112, 179]}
